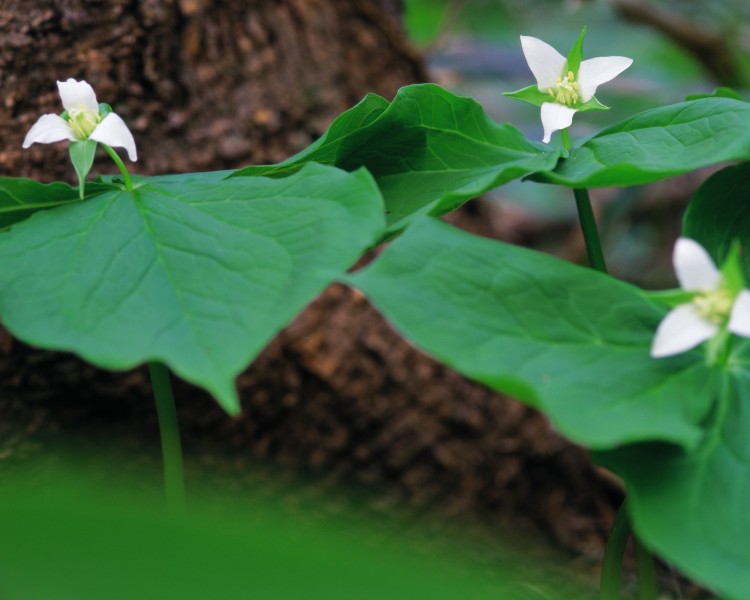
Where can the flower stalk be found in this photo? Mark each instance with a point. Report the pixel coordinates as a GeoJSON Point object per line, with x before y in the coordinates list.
{"type": "Point", "coordinates": [171, 447]}
{"type": "Point", "coordinates": [120, 165]}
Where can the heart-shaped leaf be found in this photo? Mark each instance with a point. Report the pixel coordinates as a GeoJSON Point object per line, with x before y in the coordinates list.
{"type": "Point", "coordinates": [20, 198]}
{"type": "Point", "coordinates": [659, 143]}
{"type": "Point", "coordinates": [569, 340]}
{"type": "Point", "coordinates": [692, 507]}
{"type": "Point", "coordinates": [199, 276]}
{"type": "Point", "coordinates": [719, 213]}
{"type": "Point", "coordinates": [429, 151]}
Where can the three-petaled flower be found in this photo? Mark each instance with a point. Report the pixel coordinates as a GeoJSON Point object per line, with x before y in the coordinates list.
{"type": "Point", "coordinates": [83, 119]}
{"type": "Point", "coordinates": [713, 301]}
{"type": "Point", "coordinates": [565, 85]}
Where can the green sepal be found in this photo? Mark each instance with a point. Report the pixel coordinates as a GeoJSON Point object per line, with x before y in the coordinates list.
{"type": "Point", "coordinates": [82, 157]}
{"type": "Point", "coordinates": [719, 92]}
{"type": "Point", "coordinates": [575, 56]}
{"type": "Point", "coordinates": [531, 95]}
{"type": "Point", "coordinates": [732, 268]}
{"type": "Point", "coordinates": [104, 109]}
{"type": "Point", "coordinates": [671, 298]}
{"type": "Point", "coordinates": [592, 104]}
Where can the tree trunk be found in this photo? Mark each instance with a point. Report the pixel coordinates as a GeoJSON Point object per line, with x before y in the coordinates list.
{"type": "Point", "coordinates": [202, 84]}
{"type": "Point", "coordinates": [218, 84]}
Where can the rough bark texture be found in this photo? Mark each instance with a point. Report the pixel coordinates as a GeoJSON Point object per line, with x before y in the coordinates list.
{"type": "Point", "coordinates": [208, 85]}
{"type": "Point", "coordinates": [202, 84]}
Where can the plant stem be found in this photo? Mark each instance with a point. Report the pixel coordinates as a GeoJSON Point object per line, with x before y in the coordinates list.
{"type": "Point", "coordinates": [646, 572]}
{"type": "Point", "coordinates": [121, 166]}
{"type": "Point", "coordinates": [587, 220]}
{"type": "Point", "coordinates": [174, 481]}
{"type": "Point", "coordinates": [615, 550]}
{"type": "Point", "coordinates": [613, 554]}
{"type": "Point", "coordinates": [590, 232]}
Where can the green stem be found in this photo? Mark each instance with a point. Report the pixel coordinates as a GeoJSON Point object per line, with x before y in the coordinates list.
{"type": "Point", "coordinates": [613, 554]}
{"type": "Point", "coordinates": [121, 166]}
{"type": "Point", "coordinates": [565, 138]}
{"type": "Point", "coordinates": [590, 232]}
{"type": "Point", "coordinates": [646, 572]}
{"type": "Point", "coordinates": [587, 220]}
{"type": "Point", "coordinates": [174, 481]}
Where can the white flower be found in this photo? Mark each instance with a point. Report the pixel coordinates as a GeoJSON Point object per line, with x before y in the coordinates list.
{"type": "Point", "coordinates": [714, 305]}
{"type": "Point", "coordinates": [83, 122]}
{"type": "Point", "coordinates": [567, 89]}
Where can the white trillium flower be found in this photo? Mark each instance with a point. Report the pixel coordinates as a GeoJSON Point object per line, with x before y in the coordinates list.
{"type": "Point", "coordinates": [713, 308]}
{"type": "Point", "coordinates": [84, 121]}
{"type": "Point", "coordinates": [568, 90]}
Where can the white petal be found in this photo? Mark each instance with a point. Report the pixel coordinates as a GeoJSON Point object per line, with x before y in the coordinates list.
{"type": "Point", "coordinates": [739, 322]}
{"type": "Point", "coordinates": [695, 269]}
{"type": "Point", "coordinates": [113, 132]}
{"type": "Point", "coordinates": [545, 62]}
{"type": "Point", "coordinates": [49, 128]}
{"type": "Point", "coordinates": [555, 117]}
{"type": "Point", "coordinates": [681, 330]}
{"type": "Point", "coordinates": [77, 94]}
{"type": "Point", "coordinates": [596, 71]}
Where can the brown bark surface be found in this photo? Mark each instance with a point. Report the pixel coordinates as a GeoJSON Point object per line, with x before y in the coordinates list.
{"type": "Point", "coordinates": [202, 84]}
{"type": "Point", "coordinates": [207, 85]}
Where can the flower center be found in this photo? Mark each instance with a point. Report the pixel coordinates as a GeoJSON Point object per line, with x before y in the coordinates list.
{"type": "Point", "coordinates": [714, 305]}
{"type": "Point", "coordinates": [565, 90]}
{"type": "Point", "coordinates": [83, 121]}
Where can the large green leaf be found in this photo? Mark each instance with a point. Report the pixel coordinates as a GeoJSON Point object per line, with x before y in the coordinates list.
{"type": "Point", "coordinates": [197, 275]}
{"type": "Point", "coordinates": [692, 507]}
{"type": "Point", "coordinates": [429, 151]}
{"type": "Point", "coordinates": [20, 198]}
{"type": "Point", "coordinates": [719, 213]}
{"type": "Point", "coordinates": [569, 340]}
{"type": "Point", "coordinates": [659, 143]}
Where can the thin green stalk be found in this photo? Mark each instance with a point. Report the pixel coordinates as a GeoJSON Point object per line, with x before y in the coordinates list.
{"type": "Point", "coordinates": [588, 221]}
{"type": "Point", "coordinates": [646, 572]}
{"type": "Point", "coordinates": [171, 448]}
{"type": "Point", "coordinates": [121, 166]}
{"type": "Point", "coordinates": [590, 232]}
{"type": "Point", "coordinates": [613, 554]}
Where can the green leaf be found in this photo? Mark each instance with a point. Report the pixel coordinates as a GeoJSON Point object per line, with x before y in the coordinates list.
{"type": "Point", "coordinates": [571, 341]}
{"type": "Point", "coordinates": [575, 56]}
{"type": "Point", "coordinates": [719, 212]}
{"type": "Point", "coordinates": [350, 131]}
{"type": "Point", "coordinates": [82, 157]}
{"type": "Point", "coordinates": [692, 507]}
{"type": "Point", "coordinates": [20, 198]}
{"type": "Point", "coordinates": [429, 151]}
{"type": "Point", "coordinates": [198, 276]}
{"type": "Point", "coordinates": [659, 143]}
{"type": "Point", "coordinates": [719, 92]}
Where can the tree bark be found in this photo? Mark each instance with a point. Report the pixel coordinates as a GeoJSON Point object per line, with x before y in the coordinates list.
{"type": "Point", "coordinates": [203, 84]}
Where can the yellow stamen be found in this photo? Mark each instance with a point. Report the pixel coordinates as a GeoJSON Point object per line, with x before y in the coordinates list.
{"type": "Point", "coordinates": [83, 122]}
{"type": "Point", "coordinates": [565, 90]}
{"type": "Point", "coordinates": [714, 306]}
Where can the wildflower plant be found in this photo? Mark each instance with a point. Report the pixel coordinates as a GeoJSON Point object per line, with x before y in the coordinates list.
{"type": "Point", "coordinates": [197, 272]}
{"type": "Point", "coordinates": [565, 85]}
